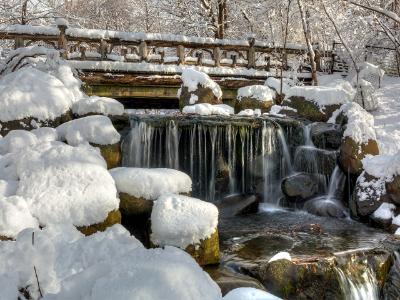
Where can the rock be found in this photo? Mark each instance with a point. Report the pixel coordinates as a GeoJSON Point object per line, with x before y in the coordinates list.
{"type": "Point", "coordinates": [391, 289]}
{"type": "Point", "coordinates": [393, 190]}
{"type": "Point", "coordinates": [132, 206]}
{"type": "Point", "coordinates": [324, 207]}
{"type": "Point", "coordinates": [366, 198]}
{"type": "Point", "coordinates": [207, 252]}
{"type": "Point", "coordinates": [32, 123]}
{"type": "Point", "coordinates": [239, 204]}
{"type": "Point", "coordinates": [300, 187]}
{"type": "Point", "coordinates": [113, 218]}
{"type": "Point", "coordinates": [203, 94]}
{"type": "Point", "coordinates": [251, 103]}
{"type": "Point", "coordinates": [352, 153]}
{"type": "Point", "coordinates": [309, 110]}
{"type": "Point", "coordinates": [111, 153]}
{"type": "Point", "coordinates": [255, 97]}
{"type": "Point", "coordinates": [326, 135]}
{"type": "Point", "coordinates": [312, 160]}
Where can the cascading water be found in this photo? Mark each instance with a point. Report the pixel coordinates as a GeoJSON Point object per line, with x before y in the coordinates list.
{"type": "Point", "coordinates": [362, 287]}
{"type": "Point", "coordinates": [221, 156]}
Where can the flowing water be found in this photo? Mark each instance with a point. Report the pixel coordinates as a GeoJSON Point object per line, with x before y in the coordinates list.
{"type": "Point", "coordinates": [361, 287]}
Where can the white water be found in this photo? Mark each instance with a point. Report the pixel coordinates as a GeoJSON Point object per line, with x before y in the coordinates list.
{"type": "Point", "coordinates": [365, 287]}
{"type": "Point", "coordinates": [336, 183]}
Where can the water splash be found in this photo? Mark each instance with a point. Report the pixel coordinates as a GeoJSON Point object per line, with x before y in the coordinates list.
{"type": "Point", "coordinates": [362, 287]}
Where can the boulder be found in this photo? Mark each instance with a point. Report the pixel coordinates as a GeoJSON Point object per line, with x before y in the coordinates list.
{"type": "Point", "coordinates": [352, 153]}
{"type": "Point", "coordinates": [239, 204]}
{"type": "Point", "coordinates": [314, 160]}
{"type": "Point", "coordinates": [393, 189]}
{"type": "Point", "coordinates": [113, 218]}
{"type": "Point", "coordinates": [300, 186]}
{"type": "Point", "coordinates": [111, 153]}
{"type": "Point", "coordinates": [309, 110]}
{"type": "Point", "coordinates": [133, 206]}
{"type": "Point", "coordinates": [326, 135]}
{"type": "Point", "coordinates": [255, 97]}
{"type": "Point", "coordinates": [324, 207]}
{"type": "Point", "coordinates": [207, 251]}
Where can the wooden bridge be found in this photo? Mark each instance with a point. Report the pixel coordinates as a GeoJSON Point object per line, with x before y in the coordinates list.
{"type": "Point", "coordinates": [146, 67]}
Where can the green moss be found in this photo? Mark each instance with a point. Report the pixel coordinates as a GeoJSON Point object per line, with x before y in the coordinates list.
{"type": "Point", "coordinates": [207, 252]}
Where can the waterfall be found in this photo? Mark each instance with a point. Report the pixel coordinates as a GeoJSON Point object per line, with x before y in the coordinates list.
{"type": "Point", "coordinates": [361, 287]}
{"type": "Point", "coordinates": [335, 183]}
{"type": "Point", "coordinates": [221, 156]}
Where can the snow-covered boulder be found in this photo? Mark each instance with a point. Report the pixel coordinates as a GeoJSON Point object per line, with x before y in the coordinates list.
{"type": "Point", "coordinates": [197, 87]}
{"type": "Point", "coordinates": [366, 96]}
{"type": "Point", "coordinates": [249, 294]}
{"type": "Point", "coordinates": [250, 113]}
{"type": "Point", "coordinates": [275, 84]}
{"type": "Point", "coordinates": [98, 105]}
{"type": "Point", "coordinates": [187, 223]}
{"type": "Point", "coordinates": [45, 134]}
{"type": "Point", "coordinates": [96, 130]}
{"type": "Point", "coordinates": [316, 103]}
{"type": "Point", "coordinates": [255, 97]}
{"type": "Point", "coordinates": [8, 188]}
{"type": "Point", "coordinates": [17, 140]}
{"type": "Point", "coordinates": [359, 137]}
{"type": "Point", "coordinates": [205, 109]}
{"type": "Point", "coordinates": [69, 184]}
{"type": "Point", "coordinates": [138, 188]}
{"type": "Point", "coordinates": [30, 97]}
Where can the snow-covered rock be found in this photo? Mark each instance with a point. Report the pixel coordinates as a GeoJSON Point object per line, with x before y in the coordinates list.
{"type": "Point", "coordinates": [366, 96]}
{"type": "Point", "coordinates": [275, 84]}
{"type": "Point", "coordinates": [97, 130]}
{"type": "Point", "coordinates": [255, 97]}
{"type": "Point", "coordinates": [46, 134]}
{"type": "Point", "coordinates": [205, 109]}
{"type": "Point", "coordinates": [98, 105]}
{"type": "Point", "coordinates": [66, 184]}
{"type": "Point", "coordinates": [16, 141]}
{"type": "Point", "coordinates": [281, 255]}
{"type": "Point", "coordinates": [187, 223]}
{"type": "Point", "coordinates": [250, 113]}
{"type": "Point", "coordinates": [8, 188]}
{"type": "Point", "coordinates": [249, 294]}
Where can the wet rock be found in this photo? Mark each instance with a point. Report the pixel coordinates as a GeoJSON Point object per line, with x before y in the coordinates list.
{"type": "Point", "coordinates": [313, 160]}
{"type": "Point", "coordinates": [367, 196]}
{"type": "Point", "coordinates": [207, 252]}
{"type": "Point", "coordinates": [32, 123]}
{"type": "Point", "coordinates": [239, 204]}
{"type": "Point", "coordinates": [113, 218]}
{"type": "Point", "coordinates": [352, 154]}
{"type": "Point", "coordinates": [300, 187]}
{"type": "Point", "coordinates": [201, 94]}
{"type": "Point", "coordinates": [391, 289]}
{"type": "Point", "coordinates": [111, 153]}
{"type": "Point", "coordinates": [228, 280]}
{"type": "Point", "coordinates": [325, 208]}
{"type": "Point", "coordinates": [326, 135]}
{"type": "Point", "coordinates": [309, 110]}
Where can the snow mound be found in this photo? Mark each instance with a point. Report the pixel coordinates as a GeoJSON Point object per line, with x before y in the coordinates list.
{"type": "Point", "coordinates": [151, 183]}
{"type": "Point", "coordinates": [192, 79]}
{"type": "Point", "coordinates": [8, 170]}
{"type": "Point", "coordinates": [45, 134]}
{"type": "Point", "coordinates": [8, 188]}
{"type": "Point", "coordinates": [249, 294]}
{"type": "Point", "coordinates": [336, 81]}
{"type": "Point", "coordinates": [182, 221]}
{"type": "Point", "coordinates": [382, 166]}
{"type": "Point", "coordinates": [276, 110]}
{"type": "Point", "coordinates": [320, 95]}
{"type": "Point", "coordinates": [275, 84]}
{"type": "Point", "coordinates": [281, 255]}
{"type": "Point", "coordinates": [15, 216]}
{"type": "Point", "coordinates": [66, 184]}
{"type": "Point", "coordinates": [16, 141]}
{"type": "Point", "coordinates": [385, 211]}
{"type": "Point", "coordinates": [106, 265]}
{"type": "Point", "coordinates": [205, 109]}
{"type": "Point", "coordinates": [258, 92]}
{"type": "Point", "coordinates": [360, 124]}
{"type": "Point", "coordinates": [250, 112]}
{"type": "Point", "coordinates": [98, 105]}
{"type": "Point", "coordinates": [29, 92]}
{"type": "Point", "coordinates": [97, 130]}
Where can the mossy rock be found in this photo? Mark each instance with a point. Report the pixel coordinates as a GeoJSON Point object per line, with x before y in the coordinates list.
{"type": "Point", "coordinates": [309, 110]}
{"type": "Point", "coordinates": [113, 218]}
{"type": "Point", "coordinates": [207, 252]}
{"type": "Point", "coordinates": [133, 206]}
{"type": "Point", "coordinates": [204, 95]}
{"type": "Point", "coordinates": [352, 153]}
{"type": "Point", "coordinates": [111, 153]}
{"type": "Point", "coordinates": [251, 103]}
{"type": "Point", "coordinates": [32, 123]}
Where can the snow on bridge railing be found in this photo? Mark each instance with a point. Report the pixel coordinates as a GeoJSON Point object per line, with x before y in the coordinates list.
{"type": "Point", "coordinates": [94, 49]}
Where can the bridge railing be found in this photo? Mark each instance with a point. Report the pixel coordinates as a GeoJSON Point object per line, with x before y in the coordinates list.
{"type": "Point", "coordinates": [163, 49]}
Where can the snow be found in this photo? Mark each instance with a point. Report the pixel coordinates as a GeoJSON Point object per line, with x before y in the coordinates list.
{"type": "Point", "coordinates": [206, 109]}
{"type": "Point", "coordinates": [66, 184]}
{"type": "Point", "coordinates": [45, 134]}
{"type": "Point", "coordinates": [250, 112]}
{"type": "Point", "coordinates": [61, 22]}
{"type": "Point", "coordinates": [98, 105]}
{"type": "Point", "coordinates": [276, 109]}
{"type": "Point", "coordinates": [15, 216]}
{"type": "Point", "coordinates": [96, 129]}
{"type": "Point", "coordinates": [360, 125]}
{"type": "Point", "coordinates": [192, 79]}
{"type": "Point", "coordinates": [385, 211]}
{"type": "Point", "coordinates": [182, 221]}
{"type": "Point", "coordinates": [387, 116]}
{"type": "Point", "coordinates": [382, 166]}
{"type": "Point", "coordinates": [397, 232]}
{"type": "Point", "coordinates": [150, 183]}
{"type": "Point", "coordinates": [281, 255]}
{"type": "Point", "coordinates": [374, 188]}
{"type": "Point", "coordinates": [396, 221]}
{"type": "Point", "coordinates": [366, 96]}
{"type": "Point", "coordinates": [106, 265]}
{"type": "Point", "coordinates": [275, 84]}
{"type": "Point", "coordinates": [16, 141]}
{"type": "Point", "coordinates": [257, 92]}
{"type": "Point", "coordinates": [249, 294]}
{"type": "Point", "coordinates": [8, 188]}
{"type": "Point", "coordinates": [29, 92]}
{"type": "Point", "coordinates": [321, 95]}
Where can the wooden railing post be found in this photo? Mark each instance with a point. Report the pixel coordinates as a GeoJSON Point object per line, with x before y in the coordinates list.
{"type": "Point", "coordinates": [143, 51]}
{"type": "Point", "coordinates": [199, 58]}
{"type": "Point", "coordinates": [103, 49]}
{"type": "Point", "coordinates": [82, 50]}
{"type": "Point", "coordinates": [251, 53]}
{"type": "Point", "coordinates": [234, 60]}
{"type": "Point", "coordinates": [217, 56]}
{"type": "Point", "coordinates": [124, 52]}
{"type": "Point", "coordinates": [180, 52]}
{"type": "Point", "coordinates": [62, 41]}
